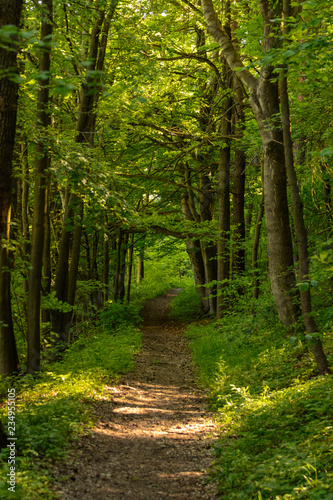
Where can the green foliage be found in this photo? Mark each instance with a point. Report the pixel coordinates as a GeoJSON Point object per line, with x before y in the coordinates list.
{"type": "Point", "coordinates": [274, 415]}
{"type": "Point", "coordinates": [186, 306]}
{"type": "Point", "coordinates": [277, 444]}
{"type": "Point", "coordinates": [55, 406]}
{"type": "Point", "coordinates": [115, 315]}
{"type": "Point", "coordinates": [166, 266]}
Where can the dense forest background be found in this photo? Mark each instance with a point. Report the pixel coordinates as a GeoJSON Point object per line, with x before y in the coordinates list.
{"type": "Point", "coordinates": [133, 121]}
{"type": "Point", "coordinates": [192, 139]}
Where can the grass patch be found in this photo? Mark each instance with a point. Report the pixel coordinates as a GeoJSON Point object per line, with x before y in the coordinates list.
{"type": "Point", "coordinates": [186, 306]}
{"type": "Point", "coordinates": [274, 412]}
{"type": "Point", "coordinates": [54, 406]}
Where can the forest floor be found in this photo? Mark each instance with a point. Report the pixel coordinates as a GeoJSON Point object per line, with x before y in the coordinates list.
{"type": "Point", "coordinates": [154, 430]}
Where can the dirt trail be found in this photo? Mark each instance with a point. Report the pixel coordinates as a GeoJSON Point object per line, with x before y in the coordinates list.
{"type": "Point", "coordinates": [154, 429]}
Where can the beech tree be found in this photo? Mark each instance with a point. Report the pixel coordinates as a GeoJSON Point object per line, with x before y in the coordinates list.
{"type": "Point", "coordinates": [264, 100]}
{"type": "Point", "coordinates": [150, 126]}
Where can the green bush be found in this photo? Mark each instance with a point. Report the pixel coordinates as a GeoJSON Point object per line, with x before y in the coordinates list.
{"type": "Point", "coordinates": [274, 415]}
{"type": "Point", "coordinates": [116, 314]}
{"type": "Point", "coordinates": [186, 306]}
{"type": "Point", "coordinates": [54, 406]}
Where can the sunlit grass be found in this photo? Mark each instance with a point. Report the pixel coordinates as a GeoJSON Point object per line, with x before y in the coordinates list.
{"type": "Point", "coordinates": [54, 406]}
{"type": "Point", "coordinates": [274, 412]}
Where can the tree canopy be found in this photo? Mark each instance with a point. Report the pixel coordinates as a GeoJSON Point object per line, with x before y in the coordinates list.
{"type": "Point", "coordinates": [164, 118]}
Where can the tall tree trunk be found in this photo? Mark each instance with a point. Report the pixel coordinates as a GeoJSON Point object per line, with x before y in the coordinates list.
{"type": "Point", "coordinates": [238, 217]}
{"type": "Point", "coordinates": [264, 101]}
{"type": "Point", "coordinates": [255, 246]}
{"type": "Point", "coordinates": [61, 276]}
{"type": "Point", "coordinates": [3, 437]}
{"type": "Point", "coordinates": [106, 264]}
{"type": "Point", "coordinates": [130, 267]}
{"type": "Point", "coordinates": [47, 267]}
{"type": "Point", "coordinates": [118, 267]}
{"type": "Point", "coordinates": [38, 225]}
{"type": "Point", "coordinates": [119, 286]}
{"type": "Point", "coordinates": [90, 92]}
{"type": "Point", "coordinates": [301, 232]}
{"type": "Point", "coordinates": [193, 249]}
{"type": "Point", "coordinates": [223, 250]}
{"type": "Point", "coordinates": [10, 14]}
{"type": "Point", "coordinates": [208, 250]}
{"type": "Point", "coordinates": [223, 245]}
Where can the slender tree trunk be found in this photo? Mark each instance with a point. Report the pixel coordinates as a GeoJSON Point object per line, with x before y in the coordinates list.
{"type": "Point", "coordinates": [25, 251]}
{"type": "Point", "coordinates": [130, 267]}
{"type": "Point", "coordinates": [223, 250]}
{"type": "Point", "coordinates": [10, 14]}
{"type": "Point", "coordinates": [264, 101]}
{"type": "Point", "coordinates": [38, 225]}
{"type": "Point", "coordinates": [223, 245]}
{"type": "Point", "coordinates": [118, 267]}
{"type": "Point", "coordinates": [3, 437]}
{"type": "Point", "coordinates": [90, 92]}
{"type": "Point", "coordinates": [208, 250]}
{"type": "Point", "coordinates": [301, 232]}
{"type": "Point", "coordinates": [47, 267]}
{"type": "Point", "coordinates": [255, 246]}
{"type": "Point", "coordinates": [61, 276]}
{"type": "Point", "coordinates": [106, 265]}
{"type": "Point", "coordinates": [193, 249]}
{"type": "Point", "coordinates": [238, 257]}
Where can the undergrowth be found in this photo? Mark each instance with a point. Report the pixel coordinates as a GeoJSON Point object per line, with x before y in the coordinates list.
{"type": "Point", "coordinates": [54, 406]}
{"type": "Point", "coordinates": [274, 412]}
{"type": "Point", "coordinates": [186, 306]}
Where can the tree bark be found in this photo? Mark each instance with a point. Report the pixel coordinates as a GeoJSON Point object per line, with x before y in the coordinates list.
{"type": "Point", "coordinates": [264, 101]}
{"type": "Point", "coordinates": [238, 216]}
{"type": "Point", "coordinates": [38, 225]}
{"type": "Point", "coordinates": [106, 265]}
{"type": "Point", "coordinates": [66, 280]}
{"type": "Point", "coordinates": [193, 248]}
{"type": "Point", "coordinates": [301, 232]}
{"type": "Point", "coordinates": [3, 437]}
{"type": "Point", "coordinates": [130, 267]}
{"type": "Point", "coordinates": [255, 246]}
{"type": "Point", "coordinates": [223, 245]}
{"type": "Point", "coordinates": [10, 14]}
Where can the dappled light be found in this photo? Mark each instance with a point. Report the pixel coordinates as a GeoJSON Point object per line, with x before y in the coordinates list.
{"type": "Point", "coordinates": [154, 431]}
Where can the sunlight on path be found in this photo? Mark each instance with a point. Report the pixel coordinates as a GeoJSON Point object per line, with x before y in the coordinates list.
{"type": "Point", "coordinates": [154, 430]}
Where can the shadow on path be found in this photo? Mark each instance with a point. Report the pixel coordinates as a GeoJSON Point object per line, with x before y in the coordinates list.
{"type": "Point", "coordinates": [154, 430]}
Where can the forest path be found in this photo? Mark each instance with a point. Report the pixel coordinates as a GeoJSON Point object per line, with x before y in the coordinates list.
{"type": "Point", "coordinates": [154, 429]}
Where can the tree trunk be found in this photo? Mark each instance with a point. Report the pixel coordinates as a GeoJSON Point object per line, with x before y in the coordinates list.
{"type": "Point", "coordinates": [223, 245]}
{"type": "Point", "coordinates": [130, 267]}
{"type": "Point", "coordinates": [61, 276]}
{"type": "Point", "coordinates": [38, 225]}
{"type": "Point", "coordinates": [90, 92]}
{"type": "Point", "coordinates": [301, 232]}
{"type": "Point", "coordinates": [47, 266]}
{"type": "Point", "coordinates": [193, 249]}
{"type": "Point", "coordinates": [238, 217]}
{"type": "Point", "coordinates": [10, 14]}
{"type": "Point", "coordinates": [223, 250]}
{"type": "Point", "coordinates": [3, 437]}
{"type": "Point", "coordinates": [106, 265]}
{"type": "Point", "coordinates": [255, 246]}
{"type": "Point", "coordinates": [264, 101]}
